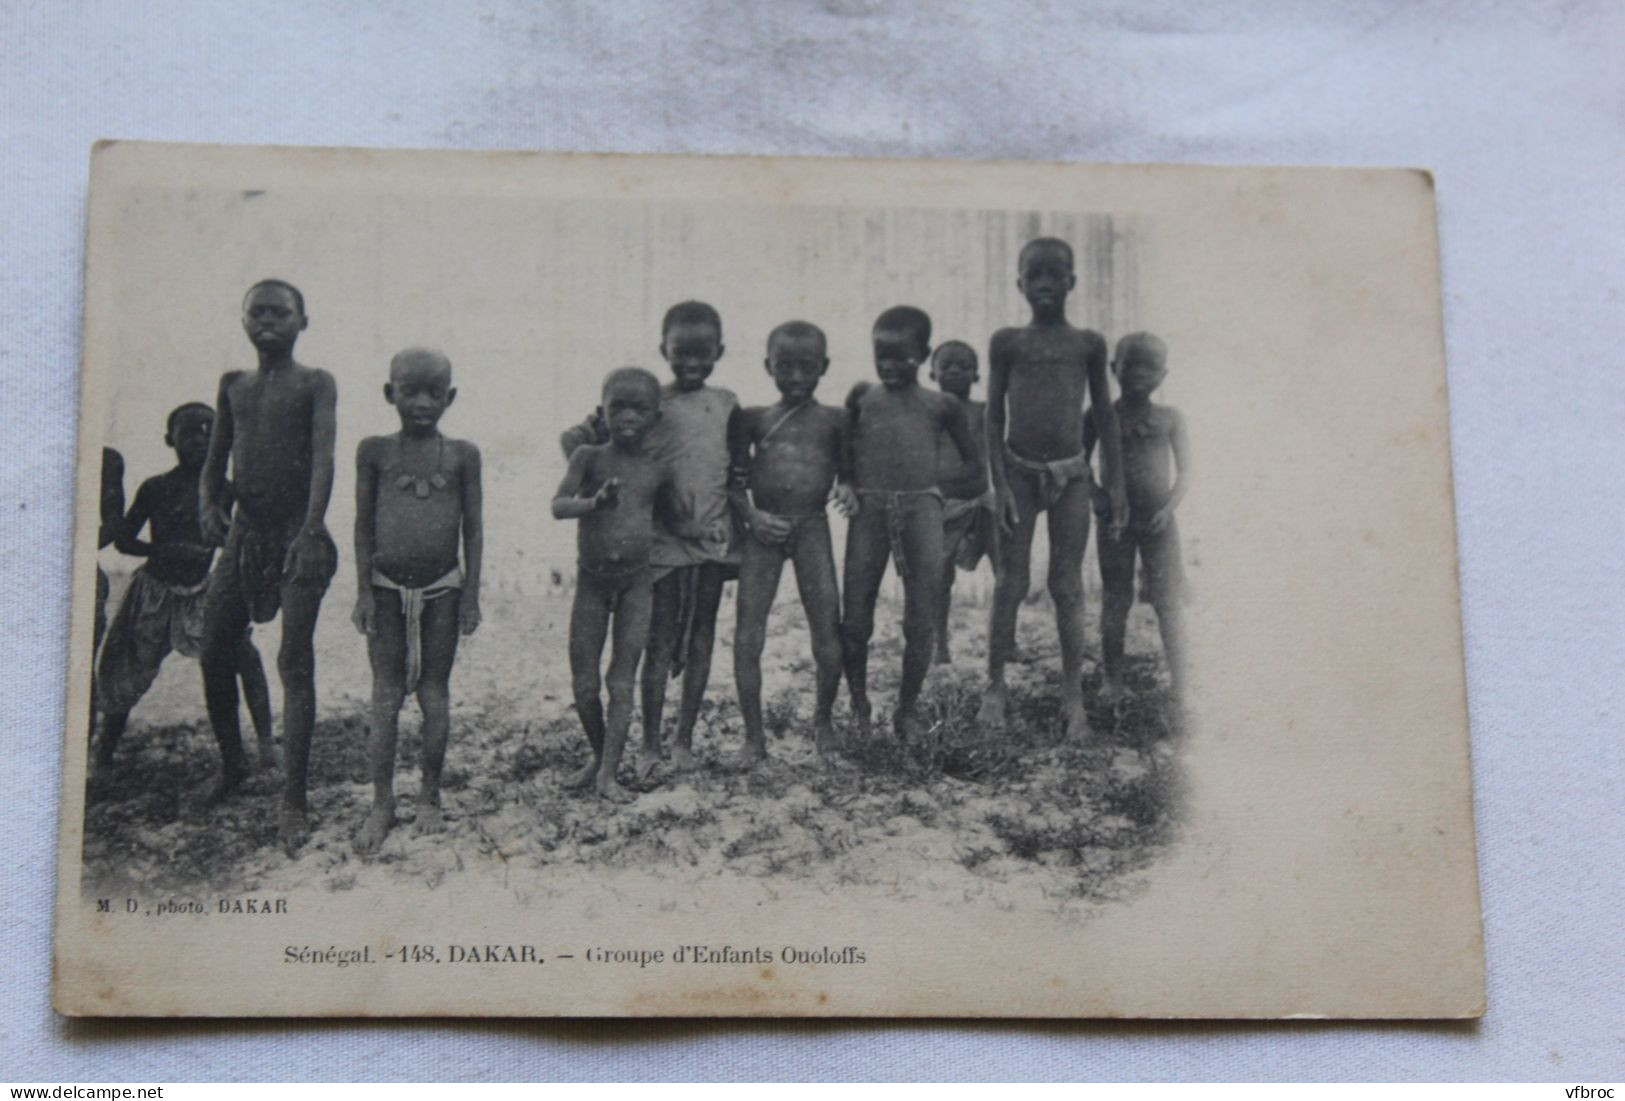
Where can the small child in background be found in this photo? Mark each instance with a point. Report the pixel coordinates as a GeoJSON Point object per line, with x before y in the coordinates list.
{"type": "Point", "coordinates": [969, 526]}
{"type": "Point", "coordinates": [1156, 475]}
{"type": "Point", "coordinates": [418, 496]}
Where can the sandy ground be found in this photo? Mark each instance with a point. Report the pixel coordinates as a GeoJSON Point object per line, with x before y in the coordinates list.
{"type": "Point", "coordinates": [1021, 819]}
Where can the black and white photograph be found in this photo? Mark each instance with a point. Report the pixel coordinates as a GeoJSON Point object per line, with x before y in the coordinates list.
{"type": "Point", "coordinates": [521, 584]}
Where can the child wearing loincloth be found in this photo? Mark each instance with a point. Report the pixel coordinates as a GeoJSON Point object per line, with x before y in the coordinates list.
{"type": "Point", "coordinates": [418, 496]}
{"type": "Point", "coordinates": [275, 426]}
{"type": "Point", "coordinates": [1039, 377]}
{"type": "Point", "coordinates": [892, 431]}
{"type": "Point", "coordinates": [786, 459]}
{"type": "Point", "coordinates": [162, 610]}
{"type": "Point", "coordinates": [615, 490]}
{"type": "Point", "coordinates": [1156, 473]}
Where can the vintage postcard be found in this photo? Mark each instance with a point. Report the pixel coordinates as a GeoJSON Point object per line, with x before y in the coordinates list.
{"type": "Point", "coordinates": [521, 584]}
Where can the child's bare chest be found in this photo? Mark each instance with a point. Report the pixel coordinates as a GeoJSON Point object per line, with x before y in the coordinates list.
{"type": "Point", "coordinates": [267, 405]}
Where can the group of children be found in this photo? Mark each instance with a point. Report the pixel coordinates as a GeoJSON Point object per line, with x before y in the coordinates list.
{"type": "Point", "coordinates": [676, 489]}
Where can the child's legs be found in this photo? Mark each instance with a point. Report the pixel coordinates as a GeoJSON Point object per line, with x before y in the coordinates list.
{"type": "Point", "coordinates": [439, 640]}
{"type": "Point", "coordinates": [820, 599]}
{"type": "Point", "coordinates": [1116, 557]}
{"type": "Point", "coordinates": [945, 599]}
{"type": "Point", "coordinates": [589, 627]}
{"type": "Point", "coordinates": [665, 630]}
{"type": "Point", "coordinates": [709, 580]}
{"type": "Point", "coordinates": [868, 546]}
{"type": "Point", "coordinates": [1068, 540]}
{"type": "Point", "coordinates": [631, 637]}
{"type": "Point", "coordinates": [922, 587]}
{"type": "Point", "coordinates": [1164, 575]}
{"type": "Point", "coordinates": [1012, 576]}
{"type": "Point", "coordinates": [386, 652]}
{"type": "Point", "coordinates": [257, 693]}
{"type": "Point", "coordinates": [225, 619]}
{"type": "Point", "coordinates": [296, 662]}
{"type": "Point", "coordinates": [759, 571]}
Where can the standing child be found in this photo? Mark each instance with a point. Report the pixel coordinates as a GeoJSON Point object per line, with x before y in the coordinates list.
{"type": "Point", "coordinates": [613, 489]}
{"type": "Point", "coordinates": [892, 431]}
{"type": "Point", "coordinates": [691, 435]}
{"type": "Point", "coordinates": [968, 523]}
{"type": "Point", "coordinates": [275, 426]}
{"type": "Point", "coordinates": [786, 458]}
{"type": "Point", "coordinates": [1038, 379]}
{"type": "Point", "coordinates": [1156, 475]}
{"type": "Point", "coordinates": [162, 610]}
{"type": "Point", "coordinates": [417, 497]}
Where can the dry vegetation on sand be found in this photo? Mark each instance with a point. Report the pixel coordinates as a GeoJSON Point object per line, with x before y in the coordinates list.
{"type": "Point", "coordinates": [1019, 819]}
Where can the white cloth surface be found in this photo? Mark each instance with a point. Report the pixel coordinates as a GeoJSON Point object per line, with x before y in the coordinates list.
{"type": "Point", "coordinates": [1515, 107]}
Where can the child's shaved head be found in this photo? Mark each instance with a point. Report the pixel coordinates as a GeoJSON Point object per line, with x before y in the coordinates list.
{"type": "Point", "coordinates": [1146, 345]}
{"type": "Point", "coordinates": [632, 376]}
{"type": "Point", "coordinates": [797, 330]}
{"type": "Point", "coordinates": [1046, 244]}
{"type": "Point", "coordinates": [279, 284]}
{"type": "Point", "coordinates": [419, 361]}
{"type": "Point", "coordinates": [181, 410]}
{"type": "Point", "coordinates": [909, 321]}
{"type": "Point", "coordinates": [692, 313]}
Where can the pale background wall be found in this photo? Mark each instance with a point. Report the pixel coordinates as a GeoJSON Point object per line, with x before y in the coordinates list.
{"type": "Point", "coordinates": [1515, 107]}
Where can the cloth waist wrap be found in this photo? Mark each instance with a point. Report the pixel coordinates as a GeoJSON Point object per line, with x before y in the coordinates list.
{"type": "Point", "coordinates": [412, 602]}
{"type": "Point", "coordinates": [1052, 476]}
{"type": "Point", "coordinates": [893, 500]}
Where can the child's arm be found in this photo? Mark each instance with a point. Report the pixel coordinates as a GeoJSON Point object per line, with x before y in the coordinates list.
{"type": "Point", "coordinates": [323, 433]}
{"type": "Point", "coordinates": [843, 493]}
{"type": "Point", "coordinates": [1104, 414]}
{"type": "Point", "coordinates": [366, 498]}
{"type": "Point", "coordinates": [970, 480]}
{"type": "Point", "coordinates": [112, 504]}
{"type": "Point", "coordinates": [1182, 472]}
{"type": "Point", "coordinates": [568, 503]}
{"type": "Point", "coordinates": [674, 514]}
{"type": "Point", "coordinates": [760, 524]}
{"type": "Point", "coordinates": [847, 466]}
{"type": "Point", "coordinates": [468, 614]}
{"type": "Point", "coordinates": [592, 430]}
{"type": "Point", "coordinates": [213, 517]}
{"type": "Point", "coordinates": [127, 529]}
{"type": "Point", "coordinates": [998, 377]}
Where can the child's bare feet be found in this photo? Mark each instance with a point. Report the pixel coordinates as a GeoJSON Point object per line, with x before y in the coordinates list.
{"type": "Point", "coordinates": [229, 784]}
{"type": "Point", "coordinates": [752, 756]}
{"type": "Point", "coordinates": [431, 819]}
{"type": "Point", "coordinates": [682, 758]}
{"type": "Point", "coordinates": [823, 735]}
{"type": "Point", "coordinates": [909, 728]}
{"type": "Point", "coordinates": [379, 821]}
{"type": "Point", "coordinates": [647, 764]}
{"type": "Point", "coordinates": [293, 829]}
{"type": "Point", "coordinates": [614, 792]}
{"type": "Point", "coordinates": [861, 714]}
{"type": "Point", "coordinates": [269, 759]}
{"type": "Point", "coordinates": [1077, 723]}
{"type": "Point", "coordinates": [995, 701]}
{"type": "Point", "coordinates": [582, 777]}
